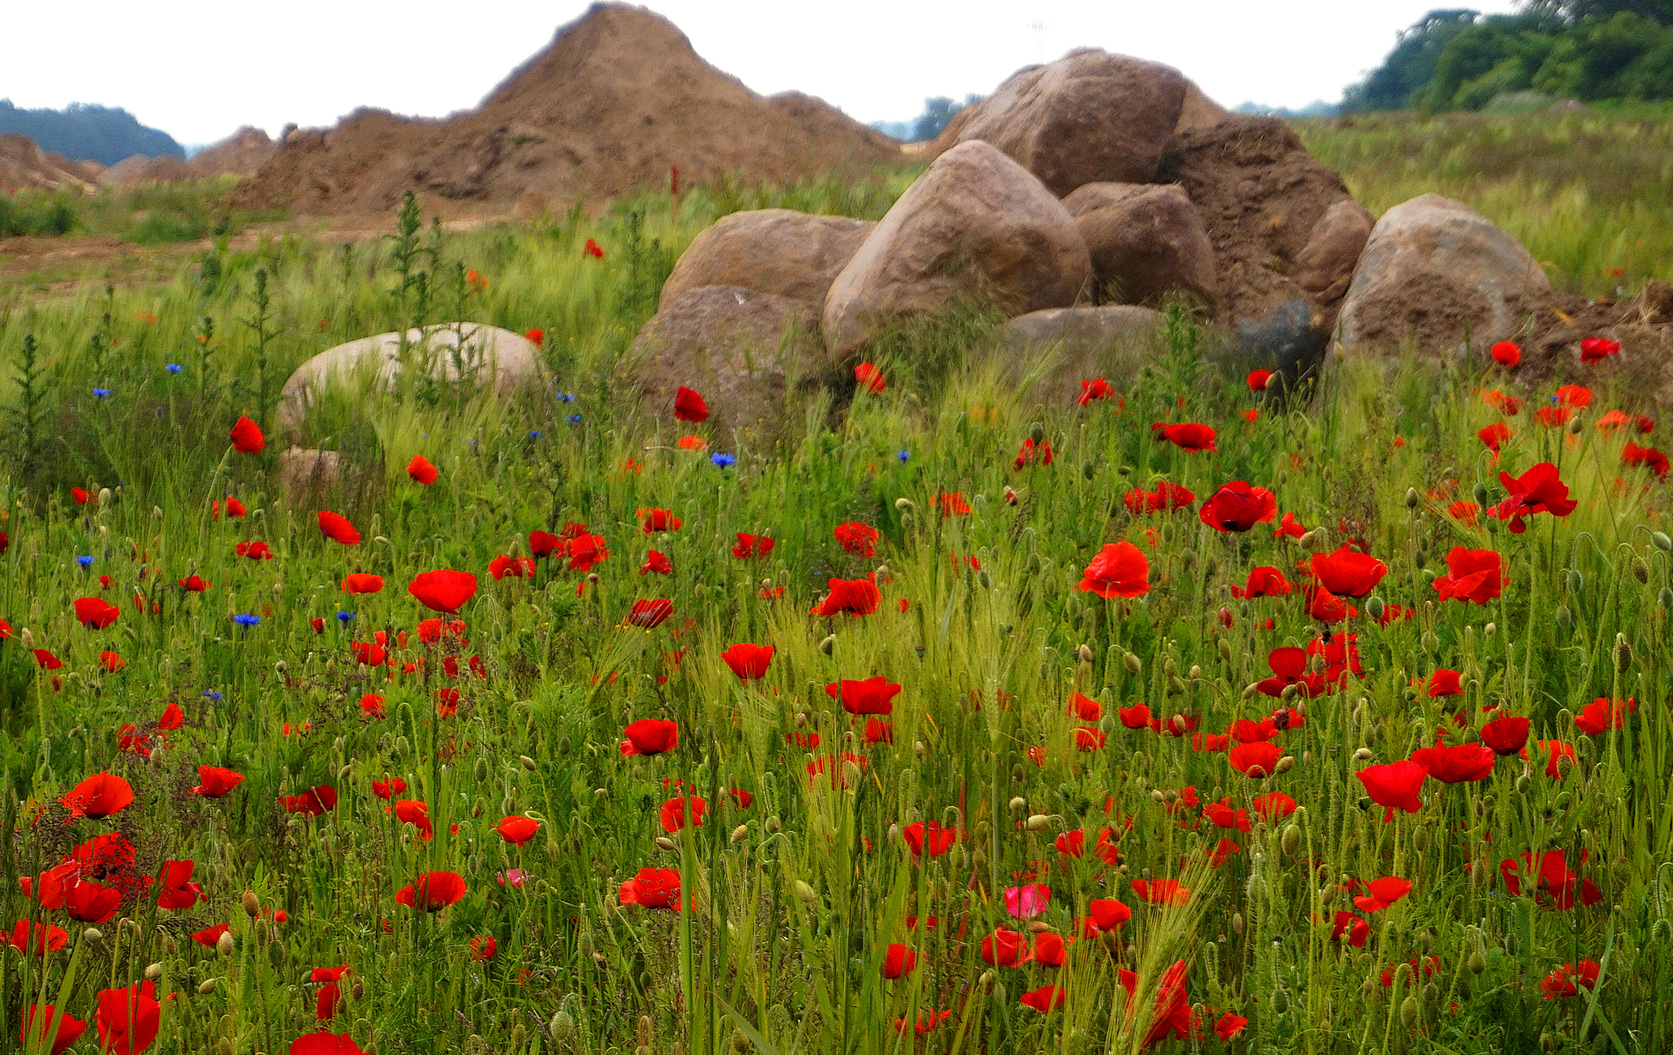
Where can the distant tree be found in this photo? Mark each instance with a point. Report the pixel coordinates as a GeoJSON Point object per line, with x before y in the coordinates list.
{"type": "Point", "coordinates": [88, 133]}
{"type": "Point", "coordinates": [938, 113]}
{"type": "Point", "coordinates": [1396, 84]}
{"type": "Point", "coordinates": [1575, 10]}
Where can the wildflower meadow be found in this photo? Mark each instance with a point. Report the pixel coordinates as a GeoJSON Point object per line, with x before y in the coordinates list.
{"type": "Point", "coordinates": [1192, 714]}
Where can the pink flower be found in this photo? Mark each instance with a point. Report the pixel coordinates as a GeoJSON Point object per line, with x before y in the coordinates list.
{"type": "Point", "coordinates": [1028, 901]}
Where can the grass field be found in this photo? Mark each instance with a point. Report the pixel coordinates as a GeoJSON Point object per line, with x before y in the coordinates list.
{"type": "Point", "coordinates": [1142, 784]}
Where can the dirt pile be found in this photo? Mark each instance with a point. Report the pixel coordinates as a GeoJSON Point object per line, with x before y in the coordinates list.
{"type": "Point", "coordinates": [241, 154]}
{"type": "Point", "coordinates": [137, 169]}
{"type": "Point", "coordinates": [617, 99]}
{"type": "Point", "coordinates": [25, 166]}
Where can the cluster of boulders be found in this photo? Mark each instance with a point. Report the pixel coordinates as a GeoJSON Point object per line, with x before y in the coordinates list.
{"type": "Point", "coordinates": [1077, 199]}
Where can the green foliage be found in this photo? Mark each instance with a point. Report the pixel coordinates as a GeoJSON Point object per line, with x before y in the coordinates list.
{"type": "Point", "coordinates": [42, 215]}
{"type": "Point", "coordinates": [88, 133]}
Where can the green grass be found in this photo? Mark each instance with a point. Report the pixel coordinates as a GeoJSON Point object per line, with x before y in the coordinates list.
{"type": "Point", "coordinates": [798, 895]}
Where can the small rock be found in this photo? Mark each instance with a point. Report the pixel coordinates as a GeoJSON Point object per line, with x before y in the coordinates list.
{"type": "Point", "coordinates": [792, 254]}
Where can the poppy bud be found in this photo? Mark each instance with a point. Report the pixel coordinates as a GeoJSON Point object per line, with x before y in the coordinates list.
{"type": "Point", "coordinates": [1523, 784]}
{"type": "Point", "coordinates": [665, 843]}
{"type": "Point", "coordinates": [1640, 569]}
{"type": "Point", "coordinates": [1662, 542]}
{"type": "Point", "coordinates": [1410, 1012]}
{"type": "Point", "coordinates": [207, 987]}
{"type": "Point", "coordinates": [1018, 804]}
{"type": "Point", "coordinates": [1037, 432]}
{"type": "Point", "coordinates": [1420, 838]}
{"type": "Point", "coordinates": [739, 834]}
{"type": "Point", "coordinates": [1576, 424]}
{"type": "Point", "coordinates": [644, 1031]}
{"type": "Point", "coordinates": [1088, 470]}
{"type": "Point", "coordinates": [985, 579]}
{"type": "Point", "coordinates": [1131, 662]}
{"type": "Point", "coordinates": [224, 944]}
{"type": "Point", "coordinates": [1665, 598]}
{"type": "Point", "coordinates": [1375, 608]}
{"type": "Point", "coordinates": [1362, 755]}
{"type": "Point", "coordinates": [1176, 687]}
{"type": "Point", "coordinates": [1661, 930]}
{"type": "Point", "coordinates": [828, 645]}
{"type": "Point", "coordinates": [562, 1027]}
{"type": "Point", "coordinates": [1037, 822]}
{"type": "Point", "coordinates": [773, 824]}
{"type": "Point", "coordinates": [156, 512]}
{"type": "Point", "coordinates": [905, 505]}
{"type": "Point", "coordinates": [26, 637]}
{"type": "Point", "coordinates": [1564, 619]}
{"type": "Point", "coordinates": [1477, 962]}
{"type": "Point", "coordinates": [1411, 498]}
{"type": "Point", "coordinates": [1623, 653]}
{"type": "Point", "coordinates": [1290, 692]}
{"type": "Point", "coordinates": [804, 893]}
{"type": "Point", "coordinates": [1280, 1001]}
{"type": "Point", "coordinates": [1284, 765]}
{"type": "Point", "coordinates": [528, 763]}
{"type": "Point", "coordinates": [252, 904]}
{"type": "Point", "coordinates": [1290, 841]}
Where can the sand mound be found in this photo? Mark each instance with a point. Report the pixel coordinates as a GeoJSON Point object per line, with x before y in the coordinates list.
{"type": "Point", "coordinates": [1259, 193]}
{"type": "Point", "coordinates": [25, 166]}
{"type": "Point", "coordinates": [615, 100]}
{"type": "Point", "coordinates": [137, 169]}
{"type": "Point", "coordinates": [241, 154]}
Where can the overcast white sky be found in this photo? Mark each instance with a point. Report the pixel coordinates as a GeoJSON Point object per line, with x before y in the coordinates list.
{"type": "Point", "coordinates": [199, 69]}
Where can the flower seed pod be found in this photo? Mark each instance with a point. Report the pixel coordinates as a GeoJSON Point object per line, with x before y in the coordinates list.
{"type": "Point", "coordinates": [252, 904]}
{"type": "Point", "coordinates": [155, 971]}
{"type": "Point", "coordinates": [1623, 653]}
{"type": "Point", "coordinates": [1018, 804]}
{"type": "Point", "coordinates": [1290, 841]}
{"type": "Point", "coordinates": [665, 843]}
{"type": "Point", "coordinates": [1410, 1012]}
{"type": "Point", "coordinates": [207, 987]}
{"type": "Point", "coordinates": [1037, 822]}
{"type": "Point", "coordinates": [1084, 653]}
{"type": "Point", "coordinates": [1411, 498]}
{"type": "Point", "coordinates": [1477, 963]}
{"type": "Point", "coordinates": [1362, 754]}
{"type": "Point", "coordinates": [739, 834]}
{"type": "Point", "coordinates": [224, 944]}
{"type": "Point", "coordinates": [1284, 765]}
{"type": "Point", "coordinates": [1237, 922]}
{"type": "Point", "coordinates": [804, 893]}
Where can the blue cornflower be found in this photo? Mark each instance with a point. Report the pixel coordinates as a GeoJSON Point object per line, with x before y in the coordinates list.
{"type": "Point", "coordinates": [85, 562]}
{"type": "Point", "coordinates": [534, 434]}
{"type": "Point", "coordinates": [101, 393]}
{"type": "Point", "coordinates": [343, 617]}
{"type": "Point", "coordinates": [246, 619]}
{"type": "Point", "coordinates": [723, 460]}
{"type": "Point", "coordinates": [903, 455]}
{"type": "Point", "coordinates": [173, 368]}
{"type": "Point", "coordinates": [574, 419]}
{"type": "Point", "coordinates": [566, 397]}
{"type": "Point", "coordinates": [211, 694]}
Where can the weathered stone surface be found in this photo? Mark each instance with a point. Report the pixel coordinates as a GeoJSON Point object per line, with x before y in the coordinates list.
{"type": "Point", "coordinates": [1326, 263]}
{"type": "Point", "coordinates": [1146, 241]}
{"type": "Point", "coordinates": [1433, 272]}
{"type": "Point", "coordinates": [1198, 111]}
{"type": "Point", "coordinates": [1054, 350]}
{"type": "Point", "coordinates": [793, 254]}
{"type": "Point", "coordinates": [745, 352]}
{"type": "Point", "coordinates": [1088, 117]}
{"type": "Point", "coordinates": [976, 227]}
{"type": "Point", "coordinates": [488, 355]}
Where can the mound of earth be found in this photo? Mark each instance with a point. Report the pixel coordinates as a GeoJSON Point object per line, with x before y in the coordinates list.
{"type": "Point", "coordinates": [611, 105]}
{"type": "Point", "coordinates": [25, 166]}
{"type": "Point", "coordinates": [242, 154]}
{"type": "Point", "coordinates": [132, 171]}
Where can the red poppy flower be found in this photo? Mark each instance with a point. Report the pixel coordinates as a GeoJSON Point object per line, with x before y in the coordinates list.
{"type": "Point", "coordinates": [1596, 349]}
{"type": "Point", "coordinates": [1031, 453]}
{"type": "Point", "coordinates": [432, 891]}
{"type": "Point", "coordinates": [874, 695]}
{"type": "Point", "coordinates": [127, 1019]}
{"type": "Point", "coordinates": [1229, 1025]}
{"type": "Point", "coordinates": [1258, 380]}
{"type": "Point", "coordinates": [1555, 751]}
{"type": "Point", "coordinates": [1506, 734]}
{"type": "Point", "coordinates": [1634, 456]}
{"type": "Point", "coordinates": [951, 504]}
{"type": "Point", "coordinates": [1094, 389]}
{"type": "Point", "coordinates": [1161, 891]}
{"type": "Point", "coordinates": [1119, 570]}
{"type": "Point", "coordinates": [421, 470]}
{"type": "Point", "coordinates": [1575, 396]}
{"type": "Point", "coordinates": [1394, 786]}
{"type": "Point", "coordinates": [583, 551]}
{"type": "Point", "coordinates": [657, 564]}
{"type": "Point", "coordinates": [100, 795]}
{"type": "Point", "coordinates": [325, 1044]}
{"type": "Point", "coordinates": [1445, 683]}
{"type": "Point", "coordinates": [654, 520]}
{"type": "Point", "coordinates": [1105, 916]}
{"type": "Point", "coordinates": [1603, 714]}
{"type": "Point", "coordinates": [856, 538]}
{"type": "Point", "coordinates": [86, 901]}
{"type": "Point", "coordinates": [1166, 497]}
{"type": "Point", "coordinates": [1171, 1015]}
{"type": "Point", "coordinates": [315, 802]}
{"type": "Point", "coordinates": [47, 1025]}
{"type": "Point", "coordinates": [898, 961]}
{"type": "Point", "coordinates": [1347, 573]}
{"type": "Point", "coordinates": [1456, 763]}
{"type": "Point", "coordinates": [214, 782]}
{"type": "Point", "coordinates": [1561, 983]}
{"type": "Point", "coordinates": [928, 837]}
{"type": "Point", "coordinates": [1085, 709]}
{"type": "Point", "coordinates": [1535, 491]}
{"type": "Point", "coordinates": [1005, 948]}
{"type": "Point", "coordinates": [1273, 806]}
{"type": "Point", "coordinates": [543, 544]}
{"type": "Point", "coordinates": [869, 377]}
{"type": "Point", "coordinates": [1255, 760]}
{"type": "Point", "coordinates": [1356, 929]}
{"type": "Point", "coordinates": [756, 545]}
{"type": "Point", "coordinates": [337, 528]}
{"type": "Point", "coordinates": [1554, 885]}
{"type": "Point", "coordinates": [516, 567]}
{"type": "Point", "coordinates": [385, 789]}
{"type": "Point", "coordinates": [1506, 354]}
{"type": "Point", "coordinates": [95, 613]}
{"type": "Point", "coordinates": [650, 736]}
{"type": "Point", "coordinates": [652, 888]}
{"type": "Point", "coordinates": [854, 596]}
{"type": "Point", "coordinates": [1384, 892]}
{"type": "Point", "coordinates": [1555, 416]}
{"type": "Point", "coordinates": [1264, 581]}
{"type": "Point", "coordinates": [680, 810]}
{"type": "Point", "coordinates": [748, 661]}
{"type": "Point", "coordinates": [246, 437]}
{"type": "Point", "coordinates": [362, 582]}
{"type": "Point", "coordinates": [650, 614]}
{"type": "Point", "coordinates": [443, 590]}
{"type": "Point", "coordinates": [1238, 507]}
{"type": "Point", "coordinates": [1046, 998]}
{"type": "Point", "coordinates": [517, 830]}
{"type": "Point", "coordinates": [210, 936]}
{"type": "Point", "coordinates": [1189, 435]}
{"type": "Point", "coordinates": [689, 406]}
{"type": "Point", "coordinates": [1472, 575]}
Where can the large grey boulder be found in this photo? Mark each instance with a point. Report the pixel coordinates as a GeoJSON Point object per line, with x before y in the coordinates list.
{"type": "Point", "coordinates": [1051, 352]}
{"type": "Point", "coordinates": [451, 352]}
{"type": "Point", "coordinates": [793, 254]}
{"type": "Point", "coordinates": [1146, 241]}
{"type": "Point", "coordinates": [1088, 117]}
{"type": "Point", "coordinates": [743, 351]}
{"type": "Point", "coordinates": [975, 228]}
{"type": "Point", "coordinates": [1434, 272]}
